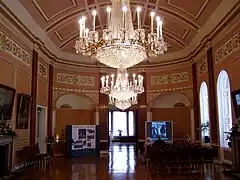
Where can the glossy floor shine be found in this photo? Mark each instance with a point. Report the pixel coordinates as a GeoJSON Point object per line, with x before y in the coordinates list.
{"type": "Point", "coordinates": [121, 164]}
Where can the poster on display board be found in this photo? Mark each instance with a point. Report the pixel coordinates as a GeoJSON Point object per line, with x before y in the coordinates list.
{"type": "Point", "coordinates": [83, 137]}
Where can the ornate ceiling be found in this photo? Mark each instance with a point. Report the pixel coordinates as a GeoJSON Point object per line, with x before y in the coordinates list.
{"type": "Point", "coordinates": [186, 22]}
{"type": "Point", "coordinates": [59, 19]}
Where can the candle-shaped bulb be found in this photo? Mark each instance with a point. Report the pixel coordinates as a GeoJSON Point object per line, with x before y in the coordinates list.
{"type": "Point", "coordinates": [94, 13]}
{"type": "Point", "coordinates": [152, 15]}
{"type": "Point", "coordinates": [80, 27]}
{"type": "Point", "coordinates": [107, 77]}
{"type": "Point", "coordinates": [84, 18]}
{"type": "Point", "coordinates": [138, 9]}
{"type": "Point", "coordinates": [102, 79]}
{"type": "Point", "coordinates": [138, 16]}
{"type": "Point", "coordinates": [160, 28]}
{"type": "Point", "coordinates": [108, 16]}
{"type": "Point", "coordinates": [86, 32]}
{"type": "Point", "coordinates": [108, 9]}
{"type": "Point", "coordinates": [124, 8]}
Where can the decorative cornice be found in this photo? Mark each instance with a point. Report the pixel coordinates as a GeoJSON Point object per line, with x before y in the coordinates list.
{"type": "Point", "coordinates": [167, 79]}
{"type": "Point", "coordinates": [75, 90]}
{"type": "Point", "coordinates": [10, 46]}
{"type": "Point", "coordinates": [75, 79]}
{"type": "Point", "coordinates": [42, 69]}
{"type": "Point", "coordinates": [229, 47]}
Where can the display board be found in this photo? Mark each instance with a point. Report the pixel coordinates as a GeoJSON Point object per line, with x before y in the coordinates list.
{"type": "Point", "coordinates": [82, 139]}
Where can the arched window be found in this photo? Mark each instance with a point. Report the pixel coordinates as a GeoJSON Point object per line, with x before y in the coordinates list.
{"type": "Point", "coordinates": [224, 107]}
{"type": "Point", "coordinates": [204, 110]}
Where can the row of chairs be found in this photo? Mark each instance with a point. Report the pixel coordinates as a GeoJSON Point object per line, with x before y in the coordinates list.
{"type": "Point", "coordinates": [35, 159]}
{"type": "Point", "coordinates": [180, 158]}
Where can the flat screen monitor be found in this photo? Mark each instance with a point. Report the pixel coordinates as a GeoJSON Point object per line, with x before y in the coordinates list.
{"type": "Point", "coordinates": [236, 102]}
{"type": "Point", "coordinates": [162, 129]}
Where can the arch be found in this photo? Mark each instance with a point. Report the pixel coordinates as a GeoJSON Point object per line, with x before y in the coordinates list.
{"type": "Point", "coordinates": [204, 112]}
{"type": "Point", "coordinates": [75, 101]}
{"type": "Point", "coordinates": [66, 106]}
{"type": "Point", "coordinates": [224, 108]}
{"type": "Point", "coordinates": [170, 100]}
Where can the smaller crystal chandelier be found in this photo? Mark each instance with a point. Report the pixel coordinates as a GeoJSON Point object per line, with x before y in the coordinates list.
{"type": "Point", "coordinates": [122, 91]}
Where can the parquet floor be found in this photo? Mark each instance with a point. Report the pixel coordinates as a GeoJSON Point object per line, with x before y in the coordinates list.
{"type": "Point", "coordinates": [120, 164]}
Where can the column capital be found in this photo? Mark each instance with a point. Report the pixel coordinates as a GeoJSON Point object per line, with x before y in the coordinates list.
{"type": "Point", "coordinates": [97, 109]}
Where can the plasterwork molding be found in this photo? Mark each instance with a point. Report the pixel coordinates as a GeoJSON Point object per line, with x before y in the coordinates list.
{"type": "Point", "coordinates": [228, 48]}
{"type": "Point", "coordinates": [151, 96]}
{"type": "Point", "coordinates": [42, 70]}
{"type": "Point", "coordinates": [170, 89]}
{"type": "Point", "coordinates": [10, 46]}
{"type": "Point", "coordinates": [75, 79]}
{"type": "Point", "coordinates": [167, 79]}
{"type": "Point", "coordinates": [202, 67]}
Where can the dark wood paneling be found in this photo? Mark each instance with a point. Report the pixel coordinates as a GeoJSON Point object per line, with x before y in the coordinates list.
{"type": "Point", "coordinates": [50, 93]}
{"type": "Point", "coordinates": [34, 97]}
{"type": "Point", "coordinates": [195, 101]}
{"type": "Point", "coordinates": [212, 97]}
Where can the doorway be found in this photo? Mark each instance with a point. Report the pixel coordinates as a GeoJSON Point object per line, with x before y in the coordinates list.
{"type": "Point", "coordinates": [122, 128]}
{"type": "Point", "coordinates": [41, 133]}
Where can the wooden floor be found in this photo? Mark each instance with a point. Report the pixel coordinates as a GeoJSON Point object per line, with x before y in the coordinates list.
{"type": "Point", "coordinates": [120, 164]}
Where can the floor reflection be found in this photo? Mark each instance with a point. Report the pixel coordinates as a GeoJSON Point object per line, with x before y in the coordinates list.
{"type": "Point", "coordinates": [121, 164]}
{"type": "Point", "coordinates": [122, 158]}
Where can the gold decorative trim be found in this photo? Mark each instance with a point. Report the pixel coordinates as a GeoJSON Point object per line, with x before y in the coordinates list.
{"type": "Point", "coordinates": [10, 46]}
{"type": "Point", "coordinates": [75, 90]}
{"type": "Point", "coordinates": [74, 79]}
{"type": "Point", "coordinates": [42, 69]}
{"type": "Point", "coordinates": [167, 79]}
{"type": "Point", "coordinates": [229, 47]}
{"type": "Point", "coordinates": [171, 89]}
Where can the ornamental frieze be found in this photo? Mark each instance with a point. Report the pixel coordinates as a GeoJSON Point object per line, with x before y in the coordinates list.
{"type": "Point", "coordinates": [42, 69]}
{"type": "Point", "coordinates": [74, 79]}
{"type": "Point", "coordinates": [229, 47]}
{"type": "Point", "coordinates": [167, 79]}
{"type": "Point", "coordinates": [202, 67]}
{"type": "Point", "coordinates": [11, 47]}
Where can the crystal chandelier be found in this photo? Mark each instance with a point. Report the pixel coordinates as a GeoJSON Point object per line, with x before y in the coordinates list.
{"type": "Point", "coordinates": [122, 91]}
{"type": "Point", "coordinates": [120, 45]}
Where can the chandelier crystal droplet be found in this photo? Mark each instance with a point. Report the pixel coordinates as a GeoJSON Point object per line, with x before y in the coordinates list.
{"type": "Point", "coordinates": [121, 46]}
